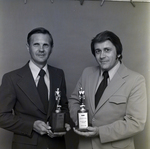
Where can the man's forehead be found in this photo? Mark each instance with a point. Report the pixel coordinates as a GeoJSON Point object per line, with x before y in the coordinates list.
{"type": "Point", "coordinates": [106, 43]}
{"type": "Point", "coordinates": [40, 37]}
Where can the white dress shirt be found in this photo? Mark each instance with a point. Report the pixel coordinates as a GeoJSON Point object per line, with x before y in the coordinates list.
{"type": "Point", "coordinates": [35, 73]}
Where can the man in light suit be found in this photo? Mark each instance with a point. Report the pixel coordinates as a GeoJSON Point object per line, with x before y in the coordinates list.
{"type": "Point", "coordinates": [18, 93]}
{"type": "Point", "coordinates": [121, 111]}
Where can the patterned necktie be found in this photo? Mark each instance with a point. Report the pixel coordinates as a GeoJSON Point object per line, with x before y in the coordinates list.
{"type": "Point", "coordinates": [101, 88]}
{"type": "Point", "coordinates": [42, 89]}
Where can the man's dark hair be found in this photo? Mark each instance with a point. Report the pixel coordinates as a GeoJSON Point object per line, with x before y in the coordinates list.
{"type": "Point", "coordinates": [42, 31]}
{"type": "Point", "coordinates": [107, 35]}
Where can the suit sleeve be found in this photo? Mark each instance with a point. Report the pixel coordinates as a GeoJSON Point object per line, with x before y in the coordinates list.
{"type": "Point", "coordinates": [64, 100]}
{"type": "Point", "coordinates": [8, 119]}
{"type": "Point", "coordinates": [135, 117]}
{"type": "Point", "coordinates": [74, 102]}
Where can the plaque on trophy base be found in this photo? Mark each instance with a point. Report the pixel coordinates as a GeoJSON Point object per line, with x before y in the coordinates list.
{"type": "Point", "coordinates": [58, 124]}
{"type": "Point", "coordinates": [58, 117]}
{"type": "Point", "coordinates": [83, 113]}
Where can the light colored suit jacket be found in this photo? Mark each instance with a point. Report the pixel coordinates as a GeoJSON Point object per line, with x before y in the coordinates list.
{"type": "Point", "coordinates": [121, 112]}
{"type": "Point", "coordinates": [18, 92]}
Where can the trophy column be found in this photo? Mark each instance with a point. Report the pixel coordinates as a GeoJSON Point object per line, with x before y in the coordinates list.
{"type": "Point", "coordinates": [58, 117]}
{"type": "Point", "coordinates": [82, 114]}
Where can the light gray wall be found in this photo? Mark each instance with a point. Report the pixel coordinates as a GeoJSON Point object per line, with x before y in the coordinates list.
{"type": "Point", "coordinates": [73, 26]}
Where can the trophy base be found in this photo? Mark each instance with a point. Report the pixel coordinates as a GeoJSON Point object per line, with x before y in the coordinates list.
{"type": "Point", "coordinates": [58, 123]}
{"type": "Point", "coordinates": [82, 130]}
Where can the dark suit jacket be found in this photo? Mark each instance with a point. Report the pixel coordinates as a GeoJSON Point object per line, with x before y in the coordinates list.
{"type": "Point", "coordinates": [18, 92]}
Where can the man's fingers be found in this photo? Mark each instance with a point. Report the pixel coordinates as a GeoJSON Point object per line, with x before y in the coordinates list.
{"type": "Point", "coordinates": [67, 126]}
{"type": "Point", "coordinates": [41, 127]}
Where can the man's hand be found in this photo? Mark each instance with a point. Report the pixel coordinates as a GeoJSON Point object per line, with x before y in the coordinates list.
{"type": "Point", "coordinates": [91, 132]}
{"type": "Point", "coordinates": [59, 134]}
{"type": "Point", "coordinates": [41, 127]}
{"type": "Point", "coordinates": [67, 126]}
{"type": "Point", "coordinates": [56, 134]}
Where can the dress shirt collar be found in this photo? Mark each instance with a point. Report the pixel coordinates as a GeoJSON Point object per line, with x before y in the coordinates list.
{"type": "Point", "coordinates": [112, 71]}
{"type": "Point", "coordinates": [35, 69]}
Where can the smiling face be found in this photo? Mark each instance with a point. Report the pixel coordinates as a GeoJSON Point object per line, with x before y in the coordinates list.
{"type": "Point", "coordinates": [106, 55]}
{"type": "Point", "coordinates": [39, 49]}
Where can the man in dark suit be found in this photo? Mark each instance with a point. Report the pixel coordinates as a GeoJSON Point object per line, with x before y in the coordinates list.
{"type": "Point", "coordinates": [120, 112]}
{"type": "Point", "coordinates": [21, 107]}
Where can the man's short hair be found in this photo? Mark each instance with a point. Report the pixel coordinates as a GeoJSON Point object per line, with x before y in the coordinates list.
{"type": "Point", "coordinates": [42, 31]}
{"type": "Point", "coordinates": [107, 35]}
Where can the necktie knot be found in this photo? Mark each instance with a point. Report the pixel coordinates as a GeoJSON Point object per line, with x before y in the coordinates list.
{"type": "Point", "coordinates": [105, 74]}
{"type": "Point", "coordinates": [42, 73]}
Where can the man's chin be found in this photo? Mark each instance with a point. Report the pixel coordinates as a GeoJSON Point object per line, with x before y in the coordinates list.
{"type": "Point", "coordinates": [104, 67]}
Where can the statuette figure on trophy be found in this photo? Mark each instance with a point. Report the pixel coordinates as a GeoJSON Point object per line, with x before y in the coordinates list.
{"type": "Point", "coordinates": [57, 97]}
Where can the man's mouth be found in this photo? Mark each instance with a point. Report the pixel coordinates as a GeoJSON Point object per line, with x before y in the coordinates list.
{"type": "Point", "coordinates": [103, 61]}
{"type": "Point", "coordinates": [41, 55]}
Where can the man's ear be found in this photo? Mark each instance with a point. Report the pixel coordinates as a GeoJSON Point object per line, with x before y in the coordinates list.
{"type": "Point", "coordinates": [27, 46]}
{"type": "Point", "coordinates": [119, 56]}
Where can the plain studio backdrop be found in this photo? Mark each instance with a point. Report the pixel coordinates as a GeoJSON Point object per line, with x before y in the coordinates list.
{"type": "Point", "coordinates": [73, 26]}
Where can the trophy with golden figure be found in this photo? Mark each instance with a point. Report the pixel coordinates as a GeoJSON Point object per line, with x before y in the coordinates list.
{"type": "Point", "coordinates": [83, 113]}
{"type": "Point", "coordinates": [58, 117]}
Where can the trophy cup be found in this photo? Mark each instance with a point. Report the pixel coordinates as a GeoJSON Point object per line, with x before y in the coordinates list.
{"type": "Point", "coordinates": [58, 117]}
{"type": "Point", "coordinates": [82, 114]}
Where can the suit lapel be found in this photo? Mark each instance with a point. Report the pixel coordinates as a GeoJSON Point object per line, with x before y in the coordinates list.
{"type": "Point", "coordinates": [28, 86]}
{"type": "Point", "coordinates": [55, 82]}
{"type": "Point", "coordinates": [94, 77]}
{"type": "Point", "coordinates": [116, 82]}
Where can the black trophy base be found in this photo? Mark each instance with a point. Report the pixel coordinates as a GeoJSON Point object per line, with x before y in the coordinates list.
{"type": "Point", "coordinates": [58, 122]}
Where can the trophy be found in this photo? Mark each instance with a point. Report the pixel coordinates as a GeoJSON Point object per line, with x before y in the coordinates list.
{"type": "Point", "coordinates": [58, 117]}
{"type": "Point", "coordinates": [82, 114]}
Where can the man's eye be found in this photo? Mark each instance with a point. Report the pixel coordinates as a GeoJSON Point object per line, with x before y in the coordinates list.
{"type": "Point", "coordinates": [35, 44]}
{"type": "Point", "coordinates": [106, 50]}
{"type": "Point", "coordinates": [97, 51]}
{"type": "Point", "coordinates": [46, 45]}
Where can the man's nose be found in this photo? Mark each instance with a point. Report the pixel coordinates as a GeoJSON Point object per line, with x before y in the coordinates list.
{"type": "Point", "coordinates": [41, 48]}
{"type": "Point", "coordinates": [102, 54]}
